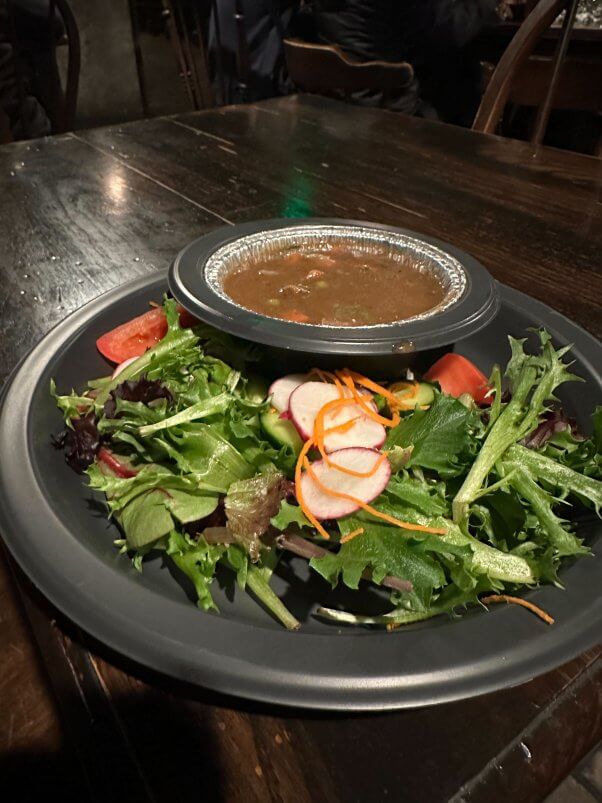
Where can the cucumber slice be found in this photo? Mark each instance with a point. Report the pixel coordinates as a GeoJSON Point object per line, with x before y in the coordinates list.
{"type": "Point", "coordinates": [424, 396]}
{"type": "Point", "coordinates": [281, 431]}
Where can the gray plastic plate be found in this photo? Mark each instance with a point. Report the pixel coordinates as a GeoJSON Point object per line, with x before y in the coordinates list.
{"type": "Point", "coordinates": [58, 532]}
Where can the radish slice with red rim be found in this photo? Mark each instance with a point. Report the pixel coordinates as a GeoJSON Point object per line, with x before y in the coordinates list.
{"type": "Point", "coordinates": [364, 433]}
{"type": "Point", "coordinates": [122, 366]}
{"type": "Point", "coordinates": [325, 506]}
{"type": "Point", "coordinates": [280, 390]}
{"type": "Point", "coordinates": [305, 403]}
{"type": "Point", "coordinates": [307, 400]}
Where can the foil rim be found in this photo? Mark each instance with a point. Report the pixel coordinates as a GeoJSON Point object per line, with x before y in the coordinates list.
{"type": "Point", "coordinates": [448, 269]}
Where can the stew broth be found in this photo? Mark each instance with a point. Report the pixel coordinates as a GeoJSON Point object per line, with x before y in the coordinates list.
{"type": "Point", "coordinates": [338, 287]}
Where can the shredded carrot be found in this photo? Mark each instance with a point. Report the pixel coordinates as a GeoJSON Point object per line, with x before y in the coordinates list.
{"type": "Point", "coordinates": [324, 376]}
{"type": "Point", "coordinates": [339, 387]}
{"type": "Point", "coordinates": [313, 520]}
{"type": "Point", "coordinates": [352, 472]}
{"type": "Point", "coordinates": [326, 457]}
{"type": "Point", "coordinates": [380, 419]}
{"type": "Point", "coordinates": [344, 427]}
{"type": "Point", "coordinates": [518, 601]}
{"type": "Point", "coordinates": [349, 378]}
{"type": "Point", "coordinates": [411, 387]}
{"type": "Point", "coordinates": [373, 386]}
{"type": "Point", "coordinates": [320, 433]}
{"type": "Point", "coordinates": [319, 422]}
{"type": "Point", "coordinates": [394, 402]}
{"type": "Point", "coordinates": [405, 525]}
{"type": "Point", "coordinates": [328, 376]}
{"type": "Point", "coordinates": [334, 404]}
{"type": "Point", "coordinates": [351, 535]}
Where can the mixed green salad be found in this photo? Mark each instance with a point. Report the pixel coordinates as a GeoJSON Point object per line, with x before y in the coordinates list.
{"type": "Point", "coordinates": [452, 491]}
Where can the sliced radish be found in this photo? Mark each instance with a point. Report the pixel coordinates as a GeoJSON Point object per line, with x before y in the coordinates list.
{"type": "Point", "coordinates": [281, 389]}
{"type": "Point", "coordinates": [324, 506]}
{"type": "Point", "coordinates": [364, 433]}
{"type": "Point", "coordinates": [307, 400]}
{"type": "Point", "coordinates": [305, 403]}
{"type": "Point", "coordinates": [122, 366]}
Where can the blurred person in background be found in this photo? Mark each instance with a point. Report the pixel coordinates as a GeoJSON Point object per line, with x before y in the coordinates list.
{"type": "Point", "coordinates": [245, 48]}
{"type": "Point", "coordinates": [434, 36]}
{"type": "Point", "coordinates": [29, 78]}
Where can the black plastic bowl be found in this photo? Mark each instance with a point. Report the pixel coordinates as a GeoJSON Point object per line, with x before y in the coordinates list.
{"type": "Point", "coordinates": [471, 303]}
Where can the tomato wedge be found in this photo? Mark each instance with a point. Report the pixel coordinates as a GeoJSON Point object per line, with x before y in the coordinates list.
{"type": "Point", "coordinates": [457, 375]}
{"type": "Point", "coordinates": [133, 338]}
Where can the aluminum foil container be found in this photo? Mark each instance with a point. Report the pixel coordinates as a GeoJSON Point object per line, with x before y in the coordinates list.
{"type": "Point", "coordinates": [260, 247]}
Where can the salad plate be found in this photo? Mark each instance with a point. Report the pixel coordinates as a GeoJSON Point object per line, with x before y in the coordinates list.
{"type": "Point", "coordinates": [57, 529]}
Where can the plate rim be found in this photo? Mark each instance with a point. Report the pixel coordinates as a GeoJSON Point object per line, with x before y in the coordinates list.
{"type": "Point", "coordinates": [325, 691]}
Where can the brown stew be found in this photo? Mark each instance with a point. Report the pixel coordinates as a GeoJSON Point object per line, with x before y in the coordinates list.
{"type": "Point", "coordinates": [339, 287]}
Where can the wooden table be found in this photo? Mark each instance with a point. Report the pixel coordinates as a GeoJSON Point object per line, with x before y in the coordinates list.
{"type": "Point", "coordinates": [82, 213]}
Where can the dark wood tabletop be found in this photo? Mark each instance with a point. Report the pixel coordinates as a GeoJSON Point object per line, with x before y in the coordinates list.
{"type": "Point", "coordinates": [81, 213]}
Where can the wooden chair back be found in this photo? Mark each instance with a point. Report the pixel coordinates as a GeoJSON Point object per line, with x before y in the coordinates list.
{"type": "Point", "coordinates": [185, 32]}
{"type": "Point", "coordinates": [536, 81]}
{"type": "Point", "coordinates": [63, 116]}
{"type": "Point", "coordinates": [325, 69]}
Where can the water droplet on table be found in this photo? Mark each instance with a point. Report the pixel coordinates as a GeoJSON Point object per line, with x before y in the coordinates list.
{"type": "Point", "coordinates": [136, 259]}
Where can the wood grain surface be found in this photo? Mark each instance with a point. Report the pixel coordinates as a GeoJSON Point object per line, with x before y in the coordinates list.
{"type": "Point", "coordinates": [82, 213]}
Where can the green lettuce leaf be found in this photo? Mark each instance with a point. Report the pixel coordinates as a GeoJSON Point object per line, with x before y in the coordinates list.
{"type": "Point", "coordinates": [256, 578]}
{"type": "Point", "coordinates": [201, 449]}
{"type": "Point", "coordinates": [405, 491]}
{"type": "Point", "coordinates": [563, 479]}
{"type": "Point", "coordinates": [71, 404]}
{"type": "Point", "coordinates": [149, 505]}
{"type": "Point", "coordinates": [383, 551]}
{"type": "Point", "coordinates": [288, 515]}
{"type": "Point", "coordinates": [542, 504]}
{"type": "Point", "coordinates": [198, 561]}
{"type": "Point", "coordinates": [442, 438]}
{"type": "Point", "coordinates": [533, 379]}
{"type": "Point", "coordinates": [145, 519]}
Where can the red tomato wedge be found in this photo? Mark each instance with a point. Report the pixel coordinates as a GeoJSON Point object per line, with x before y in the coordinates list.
{"type": "Point", "coordinates": [457, 375]}
{"type": "Point", "coordinates": [133, 338]}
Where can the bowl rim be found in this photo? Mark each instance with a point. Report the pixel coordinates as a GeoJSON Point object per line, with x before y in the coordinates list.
{"type": "Point", "coordinates": [476, 307]}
